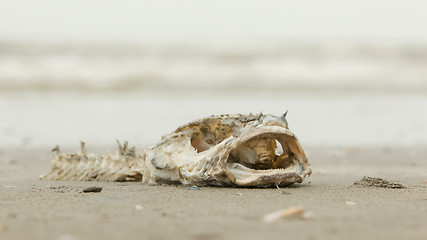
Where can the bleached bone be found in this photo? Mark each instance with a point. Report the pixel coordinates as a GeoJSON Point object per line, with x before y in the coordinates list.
{"type": "Point", "coordinates": [226, 150]}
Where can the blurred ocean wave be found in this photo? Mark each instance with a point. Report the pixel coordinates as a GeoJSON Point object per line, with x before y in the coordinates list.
{"type": "Point", "coordinates": [212, 66]}
{"type": "Point", "coordinates": [58, 93]}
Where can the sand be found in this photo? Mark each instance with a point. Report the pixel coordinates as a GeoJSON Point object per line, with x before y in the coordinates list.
{"type": "Point", "coordinates": [35, 209]}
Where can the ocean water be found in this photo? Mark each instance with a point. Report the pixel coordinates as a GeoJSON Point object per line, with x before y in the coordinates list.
{"type": "Point", "coordinates": [246, 66]}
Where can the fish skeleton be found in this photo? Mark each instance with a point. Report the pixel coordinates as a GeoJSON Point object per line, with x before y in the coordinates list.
{"type": "Point", "coordinates": [255, 150]}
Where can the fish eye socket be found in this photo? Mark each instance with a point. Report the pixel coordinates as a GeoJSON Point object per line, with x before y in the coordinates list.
{"type": "Point", "coordinates": [199, 143]}
{"type": "Point", "coordinates": [209, 134]}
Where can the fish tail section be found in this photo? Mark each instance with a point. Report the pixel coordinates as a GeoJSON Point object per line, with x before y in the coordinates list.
{"type": "Point", "coordinates": [125, 165]}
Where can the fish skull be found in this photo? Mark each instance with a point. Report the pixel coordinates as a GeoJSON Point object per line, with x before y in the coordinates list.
{"type": "Point", "coordinates": [229, 150]}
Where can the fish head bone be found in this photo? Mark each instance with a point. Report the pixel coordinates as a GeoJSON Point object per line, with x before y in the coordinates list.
{"type": "Point", "coordinates": [230, 150]}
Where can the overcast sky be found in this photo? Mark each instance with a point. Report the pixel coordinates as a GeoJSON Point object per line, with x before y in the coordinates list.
{"type": "Point", "coordinates": [137, 20]}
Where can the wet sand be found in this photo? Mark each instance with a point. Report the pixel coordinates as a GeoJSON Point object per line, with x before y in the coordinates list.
{"type": "Point", "coordinates": [35, 209]}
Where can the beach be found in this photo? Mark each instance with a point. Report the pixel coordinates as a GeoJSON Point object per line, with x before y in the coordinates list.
{"type": "Point", "coordinates": [350, 121]}
{"type": "Point", "coordinates": [31, 208]}
{"type": "Point", "coordinates": [351, 76]}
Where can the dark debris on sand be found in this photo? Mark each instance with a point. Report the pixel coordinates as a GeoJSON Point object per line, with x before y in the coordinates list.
{"type": "Point", "coordinates": [378, 182]}
{"type": "Point", "coordinates": [92, 189]}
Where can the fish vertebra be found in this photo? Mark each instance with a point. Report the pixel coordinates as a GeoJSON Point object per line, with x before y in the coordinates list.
{"type": "Point", "coordinates": [226, 150]}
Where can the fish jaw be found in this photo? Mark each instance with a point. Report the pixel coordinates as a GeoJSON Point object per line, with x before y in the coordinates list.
{"type": "Point", "coordinates": [294, 170]}
{"type": "Point", "coordinates": [178, 161]}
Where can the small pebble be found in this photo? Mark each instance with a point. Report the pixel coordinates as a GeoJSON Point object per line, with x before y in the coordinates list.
{"type": "Point", "coordinates": [295, 211]}
{"type": "Point", "coordinates": [286, 193]}
{"type": "Point", "coordinates": [92, 189]}
{"type": "Point", "coordinates": [194, 188]}
{"type": "Point", "coordinates": [238, 194]}
{"type": "Point", "coordinates": [349, 203]}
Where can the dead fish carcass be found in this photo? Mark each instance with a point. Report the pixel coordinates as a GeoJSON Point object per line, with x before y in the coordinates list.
{"type": "Point", "coordinates": [226, 150]}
